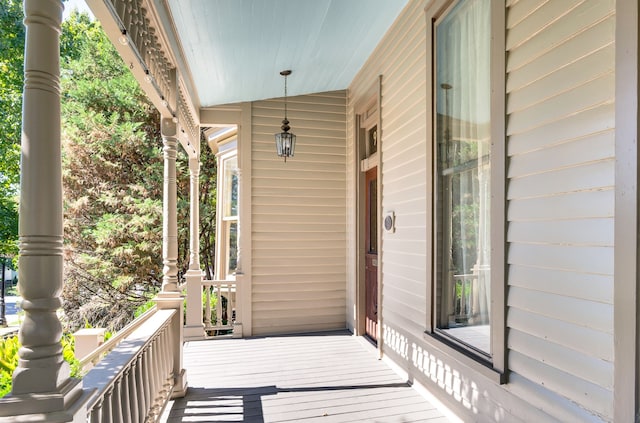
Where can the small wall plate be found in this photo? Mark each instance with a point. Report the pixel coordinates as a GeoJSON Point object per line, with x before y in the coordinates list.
{"type": "Point", "coordinates": [389, 222]}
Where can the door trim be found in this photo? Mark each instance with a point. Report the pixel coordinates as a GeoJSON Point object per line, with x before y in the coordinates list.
{"type": "Point", "coordinates": [362, 121]}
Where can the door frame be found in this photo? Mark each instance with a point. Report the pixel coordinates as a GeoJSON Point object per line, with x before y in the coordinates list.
{"type": "Point", "coordinates": [367, 115]}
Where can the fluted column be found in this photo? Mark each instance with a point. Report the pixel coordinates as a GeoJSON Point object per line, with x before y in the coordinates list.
{"type": "Point", "coordinates": [41, 368]}
{"type": "Point", "coordinates": [194, 327]}
{"type": "Point", "coordinates": [169, 207]}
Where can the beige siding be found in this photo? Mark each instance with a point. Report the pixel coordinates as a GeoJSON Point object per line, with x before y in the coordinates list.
{"type": "Point", "coordinates": [404, 174]}
{"type": "Point", "coordinates": [560, 95]}
{"type": "Point", "coordinates": [298, 217]}
{"type": "Point", "coordinates": [560, 210]}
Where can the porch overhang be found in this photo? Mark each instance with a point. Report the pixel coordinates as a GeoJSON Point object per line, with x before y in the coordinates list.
{"type": "Point", "coordinates": [190, 56]}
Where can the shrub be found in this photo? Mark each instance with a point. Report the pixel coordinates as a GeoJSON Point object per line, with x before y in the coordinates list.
{"type": "Point", "coordinates": [8, 362]}
{"type": "Point", "coordinates": [9, 359]}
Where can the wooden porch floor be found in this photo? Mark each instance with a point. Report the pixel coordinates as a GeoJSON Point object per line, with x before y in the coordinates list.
{"type": "Point", "coordinates": [331, 377]}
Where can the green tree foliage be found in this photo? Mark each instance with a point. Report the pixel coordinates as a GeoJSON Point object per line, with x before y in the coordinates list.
{"type": "Point", "coordinates": [8, 226]}
{"type": "Point", "coordinates": [11, 80]}
{"type": "Point", "coordinates": [112, 173]}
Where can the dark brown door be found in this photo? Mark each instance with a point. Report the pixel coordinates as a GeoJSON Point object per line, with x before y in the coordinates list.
{"type": "Point", "coordinates": [371, 253]}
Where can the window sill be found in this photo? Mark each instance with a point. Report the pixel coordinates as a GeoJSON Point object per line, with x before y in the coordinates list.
{"type": "Point", "coordinates": [474, 362]}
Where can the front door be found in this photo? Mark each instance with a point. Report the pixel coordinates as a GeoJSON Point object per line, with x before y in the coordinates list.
{"type": "Point", "coordinates": [371, 253]}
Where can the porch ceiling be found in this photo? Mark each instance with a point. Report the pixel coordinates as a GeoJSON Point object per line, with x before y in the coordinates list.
{"type": "Point", "coordinates": [233, 50]}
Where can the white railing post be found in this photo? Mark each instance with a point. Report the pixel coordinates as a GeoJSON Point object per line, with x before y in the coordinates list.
{"type": "Point", "coordinates": [169, 297]}
{"type": "Point", "coordinates": [194, 329]}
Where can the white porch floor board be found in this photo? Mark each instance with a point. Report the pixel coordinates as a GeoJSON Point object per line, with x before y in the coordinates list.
{"type": "Point", "coordinates": [331, 377]}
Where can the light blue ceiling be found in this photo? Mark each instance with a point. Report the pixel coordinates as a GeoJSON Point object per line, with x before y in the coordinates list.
{"type": "Point", "coordinates": [235, 49]}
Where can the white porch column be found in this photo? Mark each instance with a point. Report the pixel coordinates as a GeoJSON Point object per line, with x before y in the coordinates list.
{"type": "Point", "coordinates": [194, 202]}
{"type": "Point", "coordinates": [169, 297]}
{"type": "Point", "coordinates": [41, 369]}
{"type": "Point", "coordinates": [194, 328]}
{"type": "Point", "coordinates": [169, 207]}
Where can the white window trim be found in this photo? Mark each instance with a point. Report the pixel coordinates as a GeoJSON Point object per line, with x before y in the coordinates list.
{"type": "Point", "coordinates": [222, 235]}
{"type": "Point", "coordinates": [494, 369]}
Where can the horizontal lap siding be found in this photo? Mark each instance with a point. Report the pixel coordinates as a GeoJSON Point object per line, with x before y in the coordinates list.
{"type": "Point", "coordinates": [298, 216]}
{"type": "Point", "coordinates": [560, 128]}
{"type": "Point", "coordinates": [401, 60]}
{"type": "Point", "coordinates": [404, 179]}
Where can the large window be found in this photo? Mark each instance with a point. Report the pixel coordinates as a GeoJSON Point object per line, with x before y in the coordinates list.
{"type": "Point", "coordinates": [462, 115]}
{"type": "Point", "coordinates": [230, 215]}
{"type": "Point", "coordinates": [227, 209]}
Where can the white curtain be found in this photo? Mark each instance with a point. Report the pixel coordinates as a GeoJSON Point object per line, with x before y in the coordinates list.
{"type": "Point", "coordinates": [463, 116]}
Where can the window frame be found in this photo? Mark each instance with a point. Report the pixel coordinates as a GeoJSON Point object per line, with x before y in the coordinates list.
{"type": "Point", "coordinates": [492, 366]}
{"type": "Point", "coordinates": [224, 222]}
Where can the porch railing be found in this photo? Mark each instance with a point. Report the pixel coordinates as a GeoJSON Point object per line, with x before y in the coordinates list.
{"type": "Point", "coordinates": [95, 356]}
{"type": "Point", "coordinates": [9, 334]}
{"type": "Point", "coordinates": [462, 293]}
{"type": "Point", "coordinates": [134, 381]}
{"type": "Point", "coordinates": [218, 319]}
{"type": "Point", "coordinates": [469, 305]}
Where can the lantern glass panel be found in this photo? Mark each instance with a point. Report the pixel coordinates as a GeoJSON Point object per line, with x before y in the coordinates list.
{"type": "Point", "coordinates": [285, 144]}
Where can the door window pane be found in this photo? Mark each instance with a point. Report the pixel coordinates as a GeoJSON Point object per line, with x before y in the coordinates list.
{"type": "Point", "coordinates": [372, 140]}
{"type": "Point", "coordinates": [373, 215]}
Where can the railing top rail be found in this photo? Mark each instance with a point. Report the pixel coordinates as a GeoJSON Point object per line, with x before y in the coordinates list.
{"type": "Point", "coordinates": [466, 276]}
{"type": "Point", "coordinates": [219, 281]}
{"type": "Point", "coordinates": [9, 333]}
{"type": "Point", "coordinates": [228, 284]}
{"type": "Point", "coordinates": [106, 373]}
{"type": "Point", "coordinates": [117, 338]}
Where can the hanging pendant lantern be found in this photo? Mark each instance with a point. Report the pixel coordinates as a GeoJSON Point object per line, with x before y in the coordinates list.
{"type": "Point", "coordinates": [285, 140]}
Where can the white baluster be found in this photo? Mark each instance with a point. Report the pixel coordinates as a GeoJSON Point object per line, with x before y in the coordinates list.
{"type": "Point", "coordinates": [207, 307]}
{"type": "Point", "coordinates": [116, 404]}
{"type": "Point", "coordinates": [147, 381]}
{"type": "Point", "coordinates": [140, 385]}
{"type": "Point", "coordinates": [125, 401]}
{"type": "Point", "coordinates": [219, 305]}
{"type": "Point", "coordinates": [96, 412]}
{"type": "Point", "coordinates": [229, 308]}
{"type": "Point", "coordinates": [106, 407]}
{"type": "Point", "coordinates": [134, 396]}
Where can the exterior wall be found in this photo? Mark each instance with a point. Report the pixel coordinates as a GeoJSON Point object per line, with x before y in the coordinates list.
{"type": "Point", "coordinates": [404, 175]}
{"type": "Point", "coordinates": [560, 107]}
{"type": "Point", "coordinates": [298, 216]}
{"type": "Point", "coordinates": [560, 214]}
